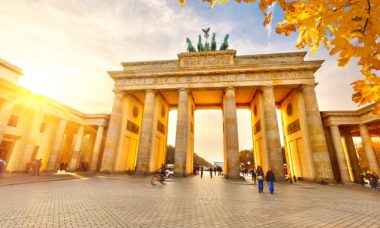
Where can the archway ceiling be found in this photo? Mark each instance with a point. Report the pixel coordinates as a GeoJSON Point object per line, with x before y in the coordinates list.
{"type": "Point", "coordinates": [212, 99]}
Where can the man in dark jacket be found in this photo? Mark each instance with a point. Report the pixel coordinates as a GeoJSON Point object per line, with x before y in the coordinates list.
{"type": "Point", "coordinates": [270, 179]}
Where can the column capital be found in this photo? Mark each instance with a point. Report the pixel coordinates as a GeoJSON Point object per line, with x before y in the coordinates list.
{"type": "Point", "coordinates": [230, 88]}
{"type": "Point", "coordinates": [313, 85]}
{"type": "Point", "coordinates": [183, 89]}
{"type": "Point", "coordinates": [266, 87]}
{"type": "Point", "coordinates": [150, 91]}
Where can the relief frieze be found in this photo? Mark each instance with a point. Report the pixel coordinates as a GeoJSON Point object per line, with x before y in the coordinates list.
{"type": "Point", "coordinates": [206, 61]}
{"type": "Point", "coordinates": [275, 77]}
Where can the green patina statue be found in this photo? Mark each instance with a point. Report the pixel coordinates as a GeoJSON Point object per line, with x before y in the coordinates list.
{"type": "Point", "coordinates": [207, 46]}
{"type": "Point", "coordinates": [200, 45]}
{"type": "Point", "coordinates": [190, 47]}
{"type": "Point", "coordinates": [224, 45]}
{"type": "Point", "coordinates": [213, 43]}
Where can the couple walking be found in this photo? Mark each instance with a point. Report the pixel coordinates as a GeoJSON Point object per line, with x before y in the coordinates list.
{"type": "Point", "coordinates": [269, 177]}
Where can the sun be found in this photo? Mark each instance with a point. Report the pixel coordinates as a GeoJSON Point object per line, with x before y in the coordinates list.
{"type": "Point", "coordinates": [40, 84]}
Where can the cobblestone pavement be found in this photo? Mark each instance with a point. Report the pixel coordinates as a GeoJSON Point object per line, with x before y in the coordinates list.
{"type": "Point", "coordinates": [123, 201]}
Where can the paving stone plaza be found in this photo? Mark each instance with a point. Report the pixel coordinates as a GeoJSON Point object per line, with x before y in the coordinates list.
{"type": "Point", "coordinates": [124, 201]}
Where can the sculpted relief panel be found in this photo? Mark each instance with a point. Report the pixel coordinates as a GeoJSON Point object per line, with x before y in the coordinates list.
{"type": "Point", "coordinates": [212, 80]}
{"type": "Point", "coordinates": [206, 61]}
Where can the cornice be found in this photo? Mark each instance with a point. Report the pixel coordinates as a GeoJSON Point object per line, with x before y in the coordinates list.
{"type": "Point", "coordinates": [11, 67]}
{"type": "Point", "coordinates": [212, 70]}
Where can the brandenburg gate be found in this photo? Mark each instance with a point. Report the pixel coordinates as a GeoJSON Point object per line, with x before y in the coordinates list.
{"type": "Point", "coordinates": [146, 91]}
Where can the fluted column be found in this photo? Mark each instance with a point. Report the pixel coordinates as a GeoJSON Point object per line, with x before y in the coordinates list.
{"type": "Point", "coordinates": [231, 134]}
{"type": "Point", "coordinates": [342, 162]}
{"type": "Point", "coordinates": [368, 149]}
{"type": "Point", "coordinates": [5, 113]}
{"type": "Point", "coordinates": [272, 132]}
{"type": "Point", "coordinates": [146, 136]}
{"type": "Point", "coordinates": [318, 143]}
{"type": "Point", "coordinates": [113, 134]}
{"type": "Point", "coordinates": [352, 154]}
{"type": "Point", "coordinates": [182, 138]}
{"type": "Point", "coordinates": [31, 141]}
{"type": "Point", "coordinates": [97, 146]}
{"type": "Point", "coordinates": [57, 145]}
{"type": "Point", "coordinates": [305, 135]}
{"type": "Point", "coordinates": [77, 147]}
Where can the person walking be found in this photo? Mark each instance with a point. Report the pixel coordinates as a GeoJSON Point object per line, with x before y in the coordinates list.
{"type": "Point", "coordinates": [214, 171]}
{"type": "Point", "coordinates": [260, 179]}
{"type": "Point", "coordinates": [374, 179]}
{"type": "Point", "coordinates": [201, 171]}
{"type": "Point", "coordinates": [38, 166]}
{"type": "Point", "coordinates": [253, 172]}
{"type": "Point", "coordinates": [211, 171]}
{"type": "Point", "coordinates": [2, 165]}
{"type": "Point", "coordinates": [270, 179]}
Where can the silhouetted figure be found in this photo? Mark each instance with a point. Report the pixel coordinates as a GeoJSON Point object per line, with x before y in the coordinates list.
{"type": "Point", "coordinates": [271, 179]}
{"type": "Point", "coordinates": [214, 171]}
{"type": "Point", "coordinates": [38, 166]}
{"type": "Point", "coordinates": [211, 172]}
{"type": "Point", "coordinates": [294, 178]}
{"type": "Point", "coordinates": [2, 165]}
{"type": "Point", "coordinates": [201, 171]}
{"type": "Point", "coordinates": [373, 180]}
{"type": "Point", "coordinates": [260, 179]}
{"type": "Point", "coordinates": [253, 175]}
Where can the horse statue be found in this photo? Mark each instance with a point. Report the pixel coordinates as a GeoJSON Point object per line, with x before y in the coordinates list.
{"type": "Point", "coordinates": [190, 47]}
{"type": "Point", "coordinates": [200, 45]}
{"type": "Point", "coordinates": [224, 45]}
{"type": "Point", "coordinates": [213, 43]}
{"type": "Point", "coordinates": [207, 46]}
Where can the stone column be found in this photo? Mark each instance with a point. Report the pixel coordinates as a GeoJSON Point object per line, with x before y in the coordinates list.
{"type": "Point", "coordinates": [342, 162]}
{"type": "Point", "coordinates": [57, 146]}
{"type": "Point", "coordinates": [272, 133]}
{"type": "Point", "coordinates": [181, 140]}
{"type": "Point", "coordinates": [31, 141]}
{"type": "Point", "coordinates": [113, 134]}
{"type": "Point", "coordinates": [146, 136]}
{"type": "Point", "coordinates": [318, 143]}
{"type": "Point", "coordinates": [97, 146]}
{"type": "Point", "coordinates": [77, 147]}
{"type": "Point", "coordinates": [231, 134]}
{"type": "Point", "coordinates": [368, 149]}
{"type": "Point", "coordinates": [352, 154]}
{"type": "Point", "coordinates": [5, 113]}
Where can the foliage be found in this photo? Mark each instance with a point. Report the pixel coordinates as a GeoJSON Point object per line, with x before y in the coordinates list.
{"type": "Point", "coordinates": [348, 28]}
{"type": "Point", "coordinates": [245, 157]}
{"type": "Point", "coordinates": [197, 159]}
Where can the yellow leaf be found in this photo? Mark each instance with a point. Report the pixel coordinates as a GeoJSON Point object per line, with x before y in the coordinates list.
{"type": "Point", "coordinates": [182, 2]}
{"type": "Point", "coordinates": [268, 18]}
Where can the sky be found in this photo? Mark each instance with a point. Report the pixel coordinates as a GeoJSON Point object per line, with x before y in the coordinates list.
{"type": "Point", "coordinates": [66, 47]}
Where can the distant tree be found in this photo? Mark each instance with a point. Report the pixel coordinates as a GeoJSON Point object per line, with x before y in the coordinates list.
{"type": "Point", "coordinates": [197, 159]}
{"type": "Point", "coordinates": [245, 157]}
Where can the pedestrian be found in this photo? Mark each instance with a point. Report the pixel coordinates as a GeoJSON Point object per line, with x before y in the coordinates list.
{"type": "Point", "coordinates": [38, 166]}
{"type": "Point", "coordinates": [33, 167]}
{"type": "Point", "coordinates": [211, 171]}
{"type": "Point", "coordinates": [253, 175]}
{"type": "Point", "coordinates": [2, 165]}
{"type": "Point", "coordinates": [374, 179]}
{"type": "Point", "coordinates": [214, 171]}
{"type": "Point", "coordinates": [260, 179]}
{"type": "Point", "coordinates": [201, 171]}
{"type": "Point", "coordinates": [270, 179]}
{"type": "Point", "coordinates": [294, 178]}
